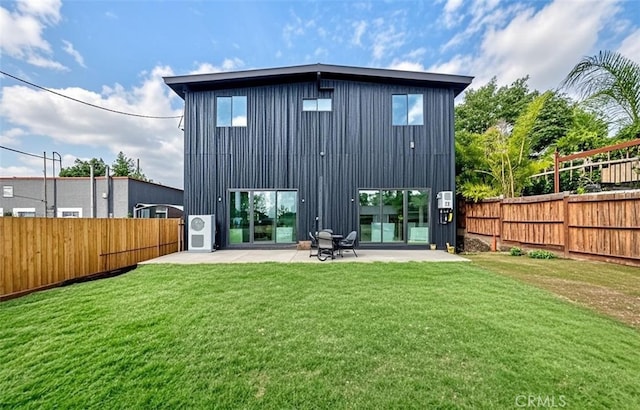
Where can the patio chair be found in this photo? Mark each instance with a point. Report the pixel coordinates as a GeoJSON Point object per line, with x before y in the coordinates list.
{"type": "Point", "coordinates": [325, 246]}
{"type": "Point", "coordinates": [349, 243]}
{"type": "Point", "coordinates": [314, 245]}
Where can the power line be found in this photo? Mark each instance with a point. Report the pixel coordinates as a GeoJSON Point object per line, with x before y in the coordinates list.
{"type": "Point", "coordinates": [86, 103]}
{"type": "Point", "coordinates": [25, 153]}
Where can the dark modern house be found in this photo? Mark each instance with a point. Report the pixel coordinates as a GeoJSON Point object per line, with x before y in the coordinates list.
{"type": "Point", "coordinates": [277, 153]}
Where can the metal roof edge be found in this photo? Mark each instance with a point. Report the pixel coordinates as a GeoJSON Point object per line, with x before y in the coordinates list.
{"type": "Point", "coordinates": [179, 83]}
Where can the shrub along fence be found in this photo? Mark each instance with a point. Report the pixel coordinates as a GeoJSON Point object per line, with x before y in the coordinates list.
{"type": "Point", "coordinates": [37, 253]}
{"type": "Point", "coordinates": [603, 226]}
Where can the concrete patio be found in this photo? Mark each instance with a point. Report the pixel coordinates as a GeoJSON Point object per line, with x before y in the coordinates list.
{"type": "Point", "coordinates": [302, 256]}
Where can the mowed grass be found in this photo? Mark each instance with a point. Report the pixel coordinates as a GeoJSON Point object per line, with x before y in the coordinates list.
{"type": "Point", "coordinates": [410, 335]}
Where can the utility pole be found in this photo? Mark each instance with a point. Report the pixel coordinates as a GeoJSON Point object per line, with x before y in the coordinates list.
{"type": "Point", "coordinates": [44, 159]}
{"type": "Point", "coordinates": [55, 187]}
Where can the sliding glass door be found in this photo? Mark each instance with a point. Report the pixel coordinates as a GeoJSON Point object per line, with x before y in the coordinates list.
{"type": "Point", "coordinates": [418, 217]}
{"type": "Point", "coordinates": [394, 216]}
{"type": "Point", "coordinates": [262, 217]}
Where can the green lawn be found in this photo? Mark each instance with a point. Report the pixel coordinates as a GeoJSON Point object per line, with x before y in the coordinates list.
{"type": "Point", "coordinates": [414, 335]}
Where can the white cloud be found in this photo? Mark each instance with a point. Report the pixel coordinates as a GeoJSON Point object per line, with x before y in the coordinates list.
{"type": "Point", "coordinates": [27, 166]}
{"type": "Point", "coordinates": [228, 64]}
{"type": "Point", "coordinates": [321, 52]}
{"type": "Point", "coordinates": [543, 43]}
{"type": "Point", "coordinates": [68, 48]}
{"type": "Point", "coordinates": [630, 46]}
{"type": "Point", "coordinates": [294, 29]}
{"type": "Point", "coordinates": [387, 41]}
{"type": "Point", "coordinates": [158, 143]}
{"type": "Point", "coordinates": [11, 135]}
{"type": "Point", "coordinates": [459, 64]}
{"type": "Point", "coordinates": [406, 66]}
{"type": "Point", "coordinates": [451, 15]}
{"type": "Point", "coordinates": [46, 10]}
{"type": "Point", "coordinates": [360, 28]}
{"type": "Point", "coordinates": [17, 171]}
{"type": "Point", "coordinates": [43, 62]}
{"type": "Point", "coordinates": [21, 32]}
{"type": "Point", "coordinates": [452, 5]}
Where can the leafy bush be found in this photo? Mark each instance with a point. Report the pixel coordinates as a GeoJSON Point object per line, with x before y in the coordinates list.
{"type": "Point", "coordinates": [515, 251]}
{"type": "Point", "coordinates": [542, 254]}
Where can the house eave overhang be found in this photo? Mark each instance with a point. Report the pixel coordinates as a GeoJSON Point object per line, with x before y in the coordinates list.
{"type": "Point", "coordinates": [312, 72]}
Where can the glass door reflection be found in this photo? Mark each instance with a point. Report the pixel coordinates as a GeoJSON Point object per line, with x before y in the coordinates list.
{"type": "Point", "coordinates": [239, 223]}
{"type": "Point", "coordinates": [264, 216]}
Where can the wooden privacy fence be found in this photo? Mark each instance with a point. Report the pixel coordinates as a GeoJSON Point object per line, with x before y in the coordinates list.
{"type": "Point", "coordinates": [603, 226]}
{"type": "Point", "coordinates": [43, 252]}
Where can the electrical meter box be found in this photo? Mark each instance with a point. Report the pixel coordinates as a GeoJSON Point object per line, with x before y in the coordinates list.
{"type": "Point", "coordinates": [445, 200]}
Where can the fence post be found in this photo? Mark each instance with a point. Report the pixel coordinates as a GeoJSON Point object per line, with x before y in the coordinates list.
{"type": "Point", "coordinates": [500, 223]}
{"type": "Point", "coordinates": [565, 201]}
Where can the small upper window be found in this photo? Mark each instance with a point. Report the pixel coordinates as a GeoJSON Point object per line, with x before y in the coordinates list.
{"type": "Point", "coordinates": [316, 104]}
{"type": "Point", "coordinates": [7, 191]}
{"type": "Point", "coordinates": [231, 111]}
{"type": "Point", "coordinates": [407, 109]}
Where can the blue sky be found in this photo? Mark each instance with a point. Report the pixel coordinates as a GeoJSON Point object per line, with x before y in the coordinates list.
{"type": "Point", "coordinates": [114, 54]}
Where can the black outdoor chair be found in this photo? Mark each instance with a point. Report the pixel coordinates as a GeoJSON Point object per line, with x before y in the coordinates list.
{"type": "Point", "coordinates": [325, 246]}
{"type": "Point", "coordinates": [349, 243]}
{"type": "Point", "coordinates": [314, 245]}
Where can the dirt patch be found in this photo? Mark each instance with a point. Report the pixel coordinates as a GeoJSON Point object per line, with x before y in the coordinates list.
{"type": "Point", "coordinates": [607, 288]}
{"type": "Point", "coordinates": [472, 244]}
{"type": "Point", "coordinates": [610, 302]}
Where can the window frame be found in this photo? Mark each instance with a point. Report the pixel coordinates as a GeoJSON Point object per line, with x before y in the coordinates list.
{"type": "Point", "coordinates": [406, 216]}
{"type": "Point", "coordinates": [307, 107]}
{"type": "Point", "coordinates": [404, 117]}
{"type": "Point", "coordinates": [233, 101]}
{"type": "Point", "coordinates": [60, 212]}
{"type": "Point", "coordinates": [17, 211]}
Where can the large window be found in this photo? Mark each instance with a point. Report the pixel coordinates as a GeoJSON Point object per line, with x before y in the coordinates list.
{"type": "Point", "coordinates": [407, 109]}
{"type": "Point", "coordinates": [231, 111]}
{"type": "Point", "coordinates": [394, 216]}
{"type": "Point", "coordinates": [69, 212]}
{"type": "Point", "coordinates": [263, 217]}
{"type": "Point", "coordinates": [24, 212]}
{"type": "Point", "coordinates": [316, 104]}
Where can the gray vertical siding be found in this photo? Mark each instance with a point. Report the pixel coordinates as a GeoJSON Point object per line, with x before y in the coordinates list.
{"type": "Point", "coordinates": [118, 198]}
{"type": "Point", "coordinates": [281, 148]}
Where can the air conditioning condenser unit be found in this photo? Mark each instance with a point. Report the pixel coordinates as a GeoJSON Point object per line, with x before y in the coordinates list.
{"type": "Point", "coordinates": [201, 233]}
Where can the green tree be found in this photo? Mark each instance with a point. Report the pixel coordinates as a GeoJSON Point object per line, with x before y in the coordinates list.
{"type": "Point", "coordinates": [489, 104]}
{"type": "Point", "coordinates": [554, 122]}
{"type": "Point", "coordinates": [482, 109]}
{"type": "Point", "coordinates": [587, 132]}
{"type": "Point", "coordinates": [610, 82]}
{"type": "Point", "coordinates": [506, 164]}
{"type": "Point", "coordinates": [126, 167]}
{"type": "Point", "coordinates": [82, 168]}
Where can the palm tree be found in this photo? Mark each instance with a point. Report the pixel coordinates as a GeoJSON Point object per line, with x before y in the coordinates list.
{"type": "Point", "coordinates": [612, 82]}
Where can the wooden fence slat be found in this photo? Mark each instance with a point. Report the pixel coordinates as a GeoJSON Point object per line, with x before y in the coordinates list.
{"type": "Point", "coordinates": [43, 252]}
{"type": "Point", "coordinates": [605, 225]}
